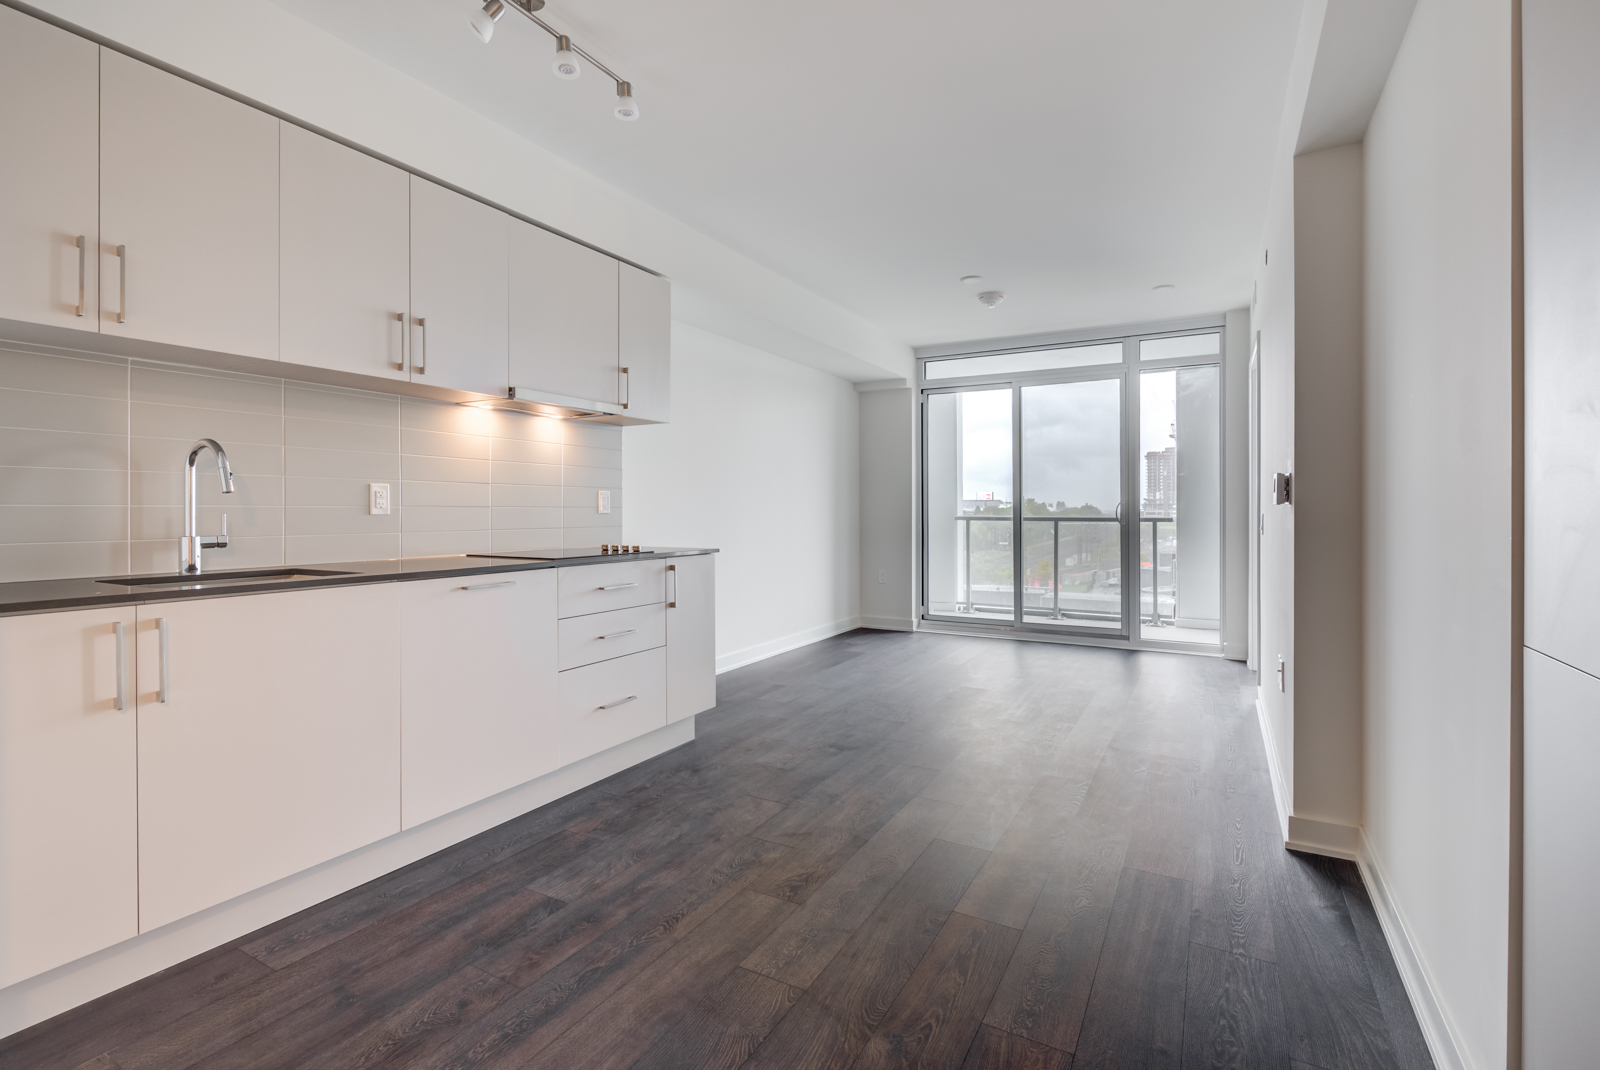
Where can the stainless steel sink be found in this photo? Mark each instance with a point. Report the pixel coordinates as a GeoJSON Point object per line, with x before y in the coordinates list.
{"type": "Point", "coordinates": [225, 579]}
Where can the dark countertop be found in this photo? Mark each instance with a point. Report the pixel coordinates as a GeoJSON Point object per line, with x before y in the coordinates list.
{"type": "Point", "coordinates": [48, 596]}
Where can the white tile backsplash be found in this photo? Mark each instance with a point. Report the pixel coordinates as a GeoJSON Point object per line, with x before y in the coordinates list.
{"type": "Point", "coordinates": [92, 450]}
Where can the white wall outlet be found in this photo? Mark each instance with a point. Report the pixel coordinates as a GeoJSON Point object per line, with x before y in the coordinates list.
{"type": "Point", "coordinates": [603, 501]}
{"type": "Point", "coordinates": [377, 499]}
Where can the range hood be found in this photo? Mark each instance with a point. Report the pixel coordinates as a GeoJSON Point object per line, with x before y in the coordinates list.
{"type": "Point", "coordinates": [553, 406]}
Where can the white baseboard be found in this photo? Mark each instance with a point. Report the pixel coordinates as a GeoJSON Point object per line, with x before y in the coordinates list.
{"type": "Point", "coordinates": [761, 651]}
{"type": "Point", "coordinates": [1324, 838]}
{"type": "Point", "coordinates": [47, 995]}
{"type": "Point", "coordinates": [1280, 787]}
{"type": "Point", "coordinates": [1437, 1028]}
{"type": "Point", "coordinates": [889, 624]}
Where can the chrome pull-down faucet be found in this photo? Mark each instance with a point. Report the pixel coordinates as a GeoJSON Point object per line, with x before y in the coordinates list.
{"type": "Point", "coordinates": [193, 542]}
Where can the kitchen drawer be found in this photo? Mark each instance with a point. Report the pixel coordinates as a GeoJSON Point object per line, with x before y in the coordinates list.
{"type": "Point", "coordinates": [584, 640]}
{"type": "Point", "coordinates": [597, 588]}
{"type": "Point", "coordinates": [635, 689]}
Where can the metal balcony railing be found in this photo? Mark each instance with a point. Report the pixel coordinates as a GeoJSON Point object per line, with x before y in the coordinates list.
{"type": "Point", "coordinates": [1154, 617]}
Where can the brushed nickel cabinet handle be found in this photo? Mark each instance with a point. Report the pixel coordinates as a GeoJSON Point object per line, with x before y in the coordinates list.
{"type": "Point", "coordinates": [122, 289]}
{"type": "Point", "coordinates": [619, 635]}
{"type": "Point", "coordinates": [627, 381]}
{"type": "Point", "coordinates": [419, 354]}
{"type": "Point", "coordinates": [400, 365]}
{"type": "Point", "coordinates": [122, 667]}
{"type": "Point", "coordinates": [620, 702]}
{"type": "Point", "coordinates": [166, 668]}
{"type": "Point", "coordinates": [488, 586]}
{"type": "Point", "coordinates": [82, 243]}
{"type": "Point", "coordinates": [672, 600]}
{"type": "Point", "coordinates": [617, 587]}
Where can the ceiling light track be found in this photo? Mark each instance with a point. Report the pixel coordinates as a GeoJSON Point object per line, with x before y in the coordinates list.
{"type": "Point", "coordinates": [565, 65]}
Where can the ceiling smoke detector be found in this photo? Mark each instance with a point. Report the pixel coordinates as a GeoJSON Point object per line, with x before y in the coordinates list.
{"type": "Point", "coordinates": [990, 298]}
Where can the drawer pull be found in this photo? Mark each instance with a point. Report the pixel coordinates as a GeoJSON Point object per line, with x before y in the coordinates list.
{"type": "Point", "coordinates": [122, 667]}
{"type": "Point", "coordinates": [617, 587]}
{"type": "Point", "coordinates": [165, 679]}
{"type": "Point", "coordinates": [619, 702]}
{"type": "Point", "coordinates": [618, 635]}
{"type": "Point", "coordinates": [488, 586]}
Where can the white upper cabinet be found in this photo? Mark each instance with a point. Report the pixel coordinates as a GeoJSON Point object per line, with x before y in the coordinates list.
{"type": "Point", "coordinates": [69, 848]}
{"type": "Point", "coordinates": [477, 694]}
{"type": "Point", "coordinates": [49, 188]}
{"type": "Point", "coordinates": [189, 195]}
{"type": "Point", "coordinates": [644, 338]}
{"type": "Point", "coordinates": [459, 301]}
{"type": "Point", "coordinates": [277, 745]}
{"type": "Point", "coordinates": [346, 250]}
{"type": "Point", "coordinates": [563, 316]}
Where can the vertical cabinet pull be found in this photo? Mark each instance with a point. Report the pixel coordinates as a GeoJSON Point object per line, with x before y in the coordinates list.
{"type": "Point", "coordinates": [165, 689]}
{"type": "Point", "coordinates": [419, 354]}
{"type": "Point", "coordinates": [401, 363]}
{"type": "Point", "coordinates": [82, 282]}
{"type": "Point", "coordinates": [627, 382]}
{"type": "Point", "coordinates": [122, 667]}
{"type": "Point", "coordinates": [672, 599]}
{"type": "Point", "coordinates": [122, 285]}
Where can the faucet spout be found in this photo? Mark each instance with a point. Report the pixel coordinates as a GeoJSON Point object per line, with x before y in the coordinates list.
{"type": "Point", "coordinates": [193, 542]}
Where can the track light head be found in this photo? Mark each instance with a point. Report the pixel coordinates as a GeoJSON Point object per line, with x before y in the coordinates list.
{"type": "Point", "coordinates": [483, 21]}
{"type": "Point", "coordinates": [626, 109]}
{"type": "Point", "coordinates": [566, 64]}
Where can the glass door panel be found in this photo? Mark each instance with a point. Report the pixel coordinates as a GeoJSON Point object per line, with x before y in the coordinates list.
{"type": "Point", "coordinates": [968, 524]}
{"type": "Point", "coordinates": [1071, 489]}
{"type": "Point", "coordinates": [1180, 505]}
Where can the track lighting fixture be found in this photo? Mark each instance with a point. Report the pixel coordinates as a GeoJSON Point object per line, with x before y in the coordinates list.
{"type": "Point", "coordinates": [566, 64]}
{"type": "Point", "coordinates": [567, 54]}
{"type": "Point", "coordinates": [483, 21]}
{"type": "Point", "coordinates": [627, 110]}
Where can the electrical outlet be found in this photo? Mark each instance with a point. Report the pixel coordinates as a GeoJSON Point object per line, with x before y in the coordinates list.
{"type": "Point", "coordinates": [377, 499]}
{"type": "Point", "coordinates": [1283, 683]}
{"type": "Point", "coordinates": [883, 575]}
{"type": "Point", "coordinates": [603, 501]}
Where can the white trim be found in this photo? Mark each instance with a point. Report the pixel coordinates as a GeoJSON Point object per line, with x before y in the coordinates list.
{"type": "Point", "coordinates": [1280, 789]}
{"type": "Point", "coordinates": [1324, 838]}
{"type": "Point", "coordinates": [1437, 1029]}
{"type": "Point", "coordinates": [890, 624]}
{"type": "Point", "coordinates": [38, 998]}
{"type": "Point", "coordinates": [761, 651]}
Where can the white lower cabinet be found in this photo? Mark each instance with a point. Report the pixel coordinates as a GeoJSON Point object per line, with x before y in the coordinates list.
{"type": "Point", "coordinates": [69, 863]}
{"type": "Point", "coordinates": [477, 689]}
{"type": "Point", "coordinates": [269, 739]}
{"type": "Point", "coordinates": [610, 702]}
{"type": "Point", "coordinates": [691, 636]}
{"type": "Point", "coordinates": [602, 636]}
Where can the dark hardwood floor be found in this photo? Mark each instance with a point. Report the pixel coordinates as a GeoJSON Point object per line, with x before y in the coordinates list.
{"type": "Point", "coordinates": [884, 850]}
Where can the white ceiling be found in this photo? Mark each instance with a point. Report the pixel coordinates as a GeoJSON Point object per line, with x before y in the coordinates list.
{"type": "Point", "coordinates": [1076, 153]}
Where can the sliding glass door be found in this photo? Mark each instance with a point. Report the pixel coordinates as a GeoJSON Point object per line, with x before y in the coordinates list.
{"type": "Point", "coordinates": [1077, 489]}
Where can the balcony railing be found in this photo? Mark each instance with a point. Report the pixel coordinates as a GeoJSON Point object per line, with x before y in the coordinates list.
{"type": "Point", "coordinates": [1054, 611]}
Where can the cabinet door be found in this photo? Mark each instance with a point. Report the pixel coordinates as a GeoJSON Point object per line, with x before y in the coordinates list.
{"type": "Point", "coordinates": [478, 678]}
{"type": "Point", "coordinates": [644, 340]}
{"type": "Point", "coordinates": [278, 745]}
{"type": "Point", "coordinates": [189, 191]}
{"type": "Point", "coordinates": [69, 862]}
{"type": "Point", "coordinates": [458, 291]}
{"type": "Point", "coordinates": [49, 173]}
{"type": "Point", "coordinates": [691, 636]}
{"type": "Point", "coordinates": [563, 316]}
{"type": "Point", "coordinates": [345, 280]}
{"type": "Point", "coordinates": [611, 702]}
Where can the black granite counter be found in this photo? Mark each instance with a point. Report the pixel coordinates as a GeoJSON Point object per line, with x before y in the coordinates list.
{"type": "Point", "coordinates": [47, 596]}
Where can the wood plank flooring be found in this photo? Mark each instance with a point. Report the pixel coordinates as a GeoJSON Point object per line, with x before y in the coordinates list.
{"type": "Point", "coordinates": [883, 850]}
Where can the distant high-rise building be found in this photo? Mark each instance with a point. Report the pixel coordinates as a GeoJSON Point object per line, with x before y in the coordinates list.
{"type": "Point", "coordinates": [1161, 482]}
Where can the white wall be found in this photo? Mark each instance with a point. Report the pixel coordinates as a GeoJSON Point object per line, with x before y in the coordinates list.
{"type": "Point", "coordinates": [888, 508]}
{"type": "Point", "coordinates": [1327, 497]}
{"type": "Point", "coordinates": [259, 50]}
{"type": "Point", "coordinates": [1439, 507]}
{"type": "Point", "coordinates": [761, 461]}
